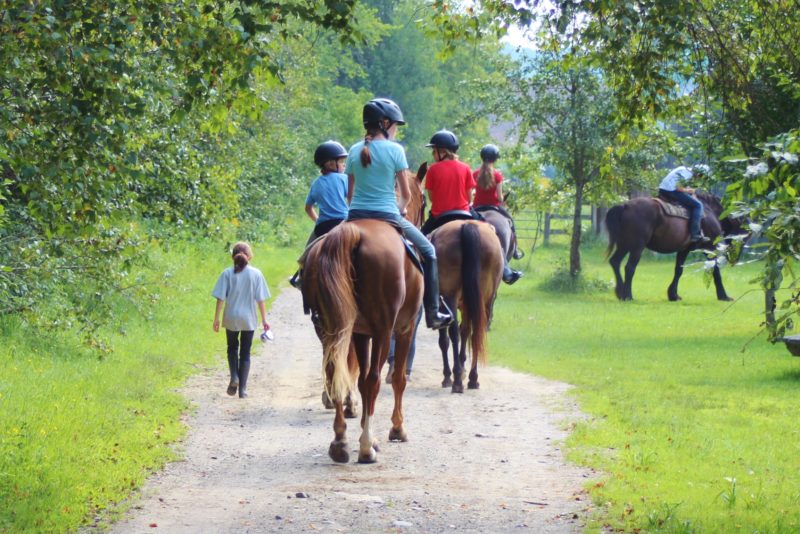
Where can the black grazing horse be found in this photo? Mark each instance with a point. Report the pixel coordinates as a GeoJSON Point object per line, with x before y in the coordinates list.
{"type": "Point", "coordinates": [642, 223]}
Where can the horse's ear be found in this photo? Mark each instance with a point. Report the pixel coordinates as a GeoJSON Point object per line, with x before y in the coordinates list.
{"type": "Point", "coordinates": [422, 171]}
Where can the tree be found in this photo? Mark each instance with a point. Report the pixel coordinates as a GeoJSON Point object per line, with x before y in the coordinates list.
{"type": "Point", "coordinates": [112, 111]}
{"type": "Point", "coordinates": [741, 57]}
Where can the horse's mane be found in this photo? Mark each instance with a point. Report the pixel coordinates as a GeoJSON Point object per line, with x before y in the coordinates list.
{"type": "Point", "coordinates": [711, 200]}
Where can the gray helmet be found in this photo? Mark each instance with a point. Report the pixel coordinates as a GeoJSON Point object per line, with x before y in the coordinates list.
{"type": "Point", "coordinates": [327, 151]}
{"type": "Point", "coordinates": [378, 109]}
{"type": "Point", "coordinates": [701, 169]}
{"type": "Point", "coordinates": [490, 153]}
{"type": "Point", "coordinates": [444, 139]}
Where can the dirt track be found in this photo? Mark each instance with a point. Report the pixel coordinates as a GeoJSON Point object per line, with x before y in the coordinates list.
{"type": "Point", "coordinates": [485, 461]}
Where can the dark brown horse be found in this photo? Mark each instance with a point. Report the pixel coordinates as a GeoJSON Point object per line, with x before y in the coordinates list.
{"type": "Point", "coordinates": [641, 223]}
{"type": "Point", "coordinates": [470, 269]}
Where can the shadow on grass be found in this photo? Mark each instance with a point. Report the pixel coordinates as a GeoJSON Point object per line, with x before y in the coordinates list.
{"type": "Point", "coordinates": [790, 377]}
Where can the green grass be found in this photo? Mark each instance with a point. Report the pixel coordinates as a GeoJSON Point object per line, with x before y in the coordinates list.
{"type": "Point", "coordinates": [690, 432]}
{"type": "Point", "coordinates": [80, 429]}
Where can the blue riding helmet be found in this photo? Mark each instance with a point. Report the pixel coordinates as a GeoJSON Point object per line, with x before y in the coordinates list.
{"type": "Point", "coordinates": [378, 109]}
{"type": "Point", "coordinates": [327, 151]}
{"type": "Point", "coordinates": [490, 153]}
{"type": "Point", "coordinates": [444, 139]}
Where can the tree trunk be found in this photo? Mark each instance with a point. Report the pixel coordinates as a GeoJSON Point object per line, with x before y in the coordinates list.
{"type": "Point", "coordinates": [575, 242]}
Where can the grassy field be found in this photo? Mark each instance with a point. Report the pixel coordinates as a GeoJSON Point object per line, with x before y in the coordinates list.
{"type": "Point", "coordinates": [80, 430]}
{"type": "Point", "coordinates": [692, 415]}
{"type": "Point", "coordinates": [688, 431]}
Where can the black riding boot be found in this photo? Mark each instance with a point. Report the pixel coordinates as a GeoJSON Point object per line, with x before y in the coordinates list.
{"type": "Point", "coordinates": [244, 371]}
{"type": "Point", "coordinates": [234, 383]}
{"type": "Point", "coordinates": [437, 315]}
{"type": "Point", "coordinates": [295, 280]}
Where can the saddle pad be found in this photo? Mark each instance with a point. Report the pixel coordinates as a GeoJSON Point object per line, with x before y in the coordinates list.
{"type": "Point", "coordinates": [672, 210]}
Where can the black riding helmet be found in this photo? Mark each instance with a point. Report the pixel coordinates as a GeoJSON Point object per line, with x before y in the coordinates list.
{"type": "Point", "coordinates": [444, 139]}
{"type": "Point", "coordinates": [327, 151]}
{"type": "Point", "coordinates": [378, 109]}
{"type": "Point", "coordinates": [490, 153]}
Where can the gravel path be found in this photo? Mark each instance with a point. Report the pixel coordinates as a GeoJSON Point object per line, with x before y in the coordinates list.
{"type": "Point", "coordinates": [485, 461]}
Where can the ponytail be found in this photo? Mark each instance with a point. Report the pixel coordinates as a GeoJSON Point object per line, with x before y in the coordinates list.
{"type": "Point", "coordinates": [366, 157]}
{"type": "Point", "coordinates": [242, 254]}
{"type": "Point", "coordinates": [486, 176]}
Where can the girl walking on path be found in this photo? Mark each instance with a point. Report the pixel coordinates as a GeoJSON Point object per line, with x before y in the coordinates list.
{"type": "Point", "coordinates": [241, 288]}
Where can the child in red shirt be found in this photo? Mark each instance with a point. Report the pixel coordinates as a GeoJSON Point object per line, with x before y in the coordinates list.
{"type": "Point", "coordinates": [449, 183]}
{"type": "Point", "coordinates": [489, 190]}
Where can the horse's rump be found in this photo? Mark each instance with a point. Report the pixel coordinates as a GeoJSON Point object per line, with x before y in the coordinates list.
{"type": "Point", "coordinates": [470, 269]}
{"type": "Point", "coordinates": [356, 280]}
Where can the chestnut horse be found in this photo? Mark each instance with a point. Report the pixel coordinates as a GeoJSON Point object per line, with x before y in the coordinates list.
{"type": "Point", "coordinates": [470, 269]}
{"type": "Point", "coordinates": [361, 286]}
{"type": "Point", "coordinates": [641, 223]}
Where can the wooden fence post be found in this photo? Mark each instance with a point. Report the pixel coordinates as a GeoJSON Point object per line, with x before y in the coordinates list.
{"type": "Point", "coordinates": [546, 239]}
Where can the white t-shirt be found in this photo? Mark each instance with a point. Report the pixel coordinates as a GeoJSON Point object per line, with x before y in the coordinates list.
{"type": "Point", "coordinates": [241, 291]}
{"type": "Point", "coordinates": [676, 175]}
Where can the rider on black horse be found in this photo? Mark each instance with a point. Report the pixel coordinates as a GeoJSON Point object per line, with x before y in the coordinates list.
{"type": "Point", "coordinates": [672, 188]}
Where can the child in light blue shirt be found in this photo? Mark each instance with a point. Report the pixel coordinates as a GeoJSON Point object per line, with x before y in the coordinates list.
{"type": "Point", "coordinates": [241, 288]}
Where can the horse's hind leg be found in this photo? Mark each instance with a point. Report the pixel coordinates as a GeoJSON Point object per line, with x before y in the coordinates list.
{"type": "Point", "coordinates": [444, 346]}
{"type": "Point", "coordinates": [458, 360]}
{"type": "Point", "coordinates": [630, 270]}
{"type": "Point", "coordinates": [402, 344]}
{"type": "Point", "coordinates": [369, 384]}
{"type": "Point", "coordinates": [338, 450]}
{"type": "Point", "coordinates": [350, 402]}
{"type": "Point", "coordinates": [473, 372]}
{"type": "Point", "coordinates": [616, 260]}
{"type": "Point", "coordinates": [672, 290]}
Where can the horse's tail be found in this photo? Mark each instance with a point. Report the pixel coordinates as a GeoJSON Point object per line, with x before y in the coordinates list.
{"type": "Point", "coordinates": [613, 226]}
{"type": "Point", "coordinates": [337, 305]}
{"type": "Point", "coordinates": [475, 317]}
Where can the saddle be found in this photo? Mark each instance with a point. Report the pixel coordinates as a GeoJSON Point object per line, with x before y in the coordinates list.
{"type": "Point", "coordinates": [672, 209]}
{"type": "Point", "coordinates": [410, 250]}
{"type": "Point", "coordinates": [449, 216]}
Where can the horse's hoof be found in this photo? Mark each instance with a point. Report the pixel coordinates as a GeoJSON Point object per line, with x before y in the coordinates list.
{"type": "Point", "coordinates": [338, 452]}
{"type": "Point", "coordinates": [369, 458]}
{"type": "Point", "coordinates": [350, 412]}
{"type": "Point", "coordinates": [473, 385]}
{"type": "Point", "coordinates": [726, 299]}
{"type": "Point", "coordinates": [674, 298]}
{"type": "Point", "coordinates": [398, 434]}
{"type": "Point", "coordinates": [457, 388]}
{"type": "Point", "coordinates": [326, 401]}
{"type": "Point", "coordinates": [447, 382]}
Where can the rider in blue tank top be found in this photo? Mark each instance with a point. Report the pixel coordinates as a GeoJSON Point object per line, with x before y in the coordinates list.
{"type": "Point", "coordinates": [374, 192]}
{"type": "Point", "coordinates": [373, 166]}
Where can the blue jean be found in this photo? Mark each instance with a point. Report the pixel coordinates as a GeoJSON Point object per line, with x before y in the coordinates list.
{"type": "Point", "coordinates": [689, 202]}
